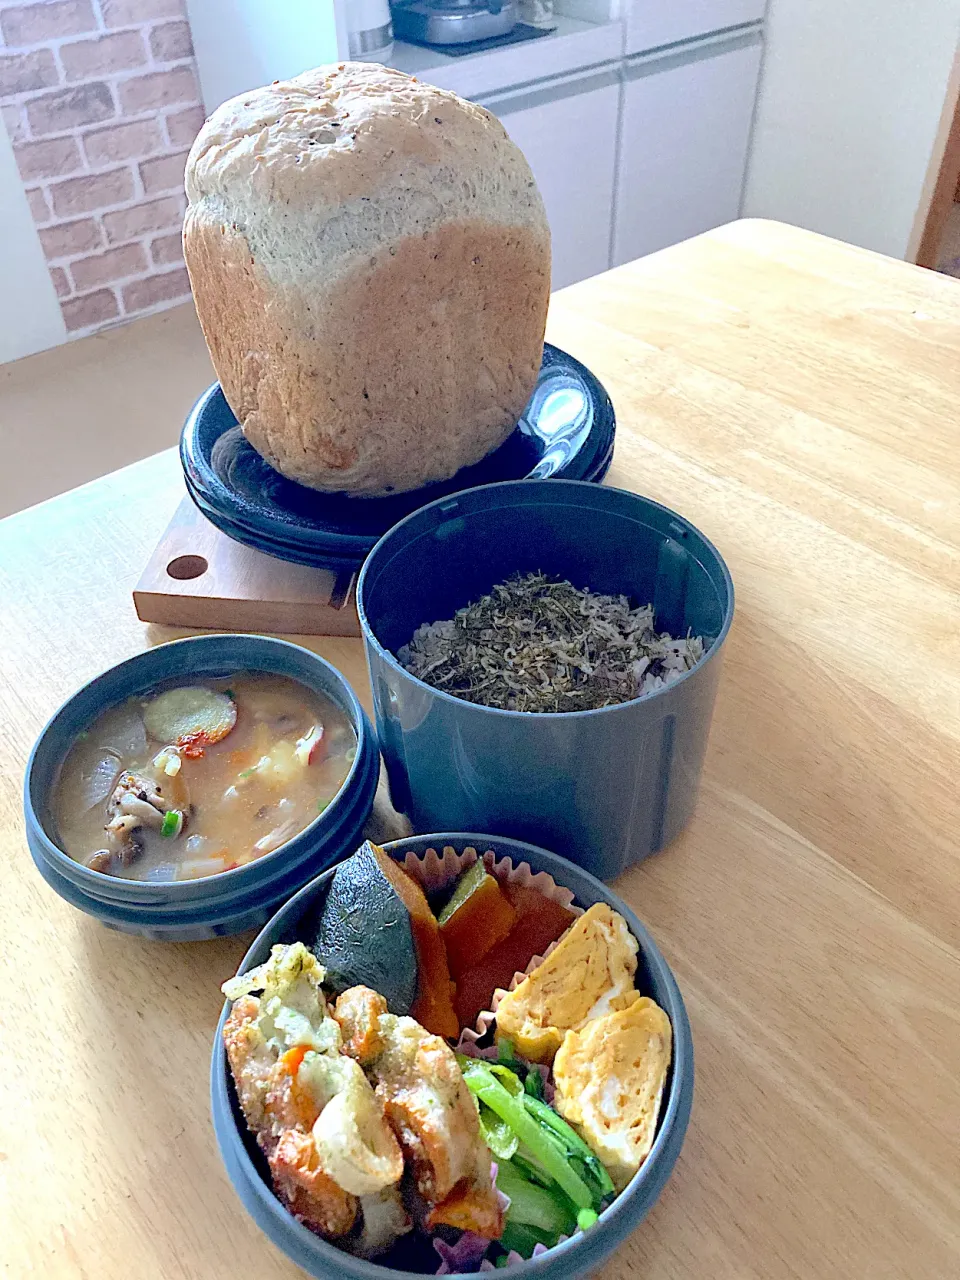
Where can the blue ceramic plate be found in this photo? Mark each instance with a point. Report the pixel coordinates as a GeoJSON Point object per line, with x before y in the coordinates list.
{"type": "Point", "coordinates": [566, 431]}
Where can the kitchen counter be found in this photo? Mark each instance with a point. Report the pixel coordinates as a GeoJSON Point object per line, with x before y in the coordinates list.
{"type": "Point", "coordinates": [574, 46]}
{"type": "Point", "coordinates": [796, 399]}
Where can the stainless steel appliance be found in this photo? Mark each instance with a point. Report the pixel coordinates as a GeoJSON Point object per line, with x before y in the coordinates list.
{"type": "Point", "coordinates": [452, 21]}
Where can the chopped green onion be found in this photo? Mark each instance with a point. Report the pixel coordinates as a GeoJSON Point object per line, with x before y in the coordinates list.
{"type": "Point", "coordinates": [246, 773]}
{"type": "Point", "coordinates": [172, 823]}
{"type": "Point", "coordinates": [321, 805]}
{"type": "Point", "coordinates": [230, 694]}
{"type": "Point", "coordinates": [586, 1218]}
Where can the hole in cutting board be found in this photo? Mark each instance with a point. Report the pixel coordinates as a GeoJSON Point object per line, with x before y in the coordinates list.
{"type": "Point", "coordinates": [184, 567]}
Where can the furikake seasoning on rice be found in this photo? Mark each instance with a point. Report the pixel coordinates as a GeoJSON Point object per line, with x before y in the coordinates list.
{"type": "Point", "coordinates": [539, 644]}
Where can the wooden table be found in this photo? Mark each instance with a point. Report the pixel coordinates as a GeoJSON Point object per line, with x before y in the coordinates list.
{"type": "Point", "coordinates": [798, 400]}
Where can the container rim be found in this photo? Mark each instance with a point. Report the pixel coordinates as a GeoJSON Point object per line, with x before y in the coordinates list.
{"type": "Point", "coordinates": [85, 874]}
{"type": "Point", "coordinates": [392, 661]}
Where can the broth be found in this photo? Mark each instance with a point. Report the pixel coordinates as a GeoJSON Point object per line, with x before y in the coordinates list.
{"type": "Point", "coordinates": [201, 777]}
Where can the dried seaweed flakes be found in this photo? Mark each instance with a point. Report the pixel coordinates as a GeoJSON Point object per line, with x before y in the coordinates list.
{"type": "Point", "coordinates": [537, 643]}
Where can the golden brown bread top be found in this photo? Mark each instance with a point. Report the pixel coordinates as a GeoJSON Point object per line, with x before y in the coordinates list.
{"type": "Point", "coordinates": [311, 152]}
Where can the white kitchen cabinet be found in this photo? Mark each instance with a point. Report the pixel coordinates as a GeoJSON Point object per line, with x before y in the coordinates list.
{"type": "Point", "coordinates": [651, 23]}
{"type": "Point", "coordinates": [683, 143]}
{"type": "Point", "coordinates": [568, 132]}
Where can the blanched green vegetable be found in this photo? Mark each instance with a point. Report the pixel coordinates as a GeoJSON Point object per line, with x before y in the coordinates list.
{"type": "Point", "coordinates": [523, 1239]}
{"type": "Point", "coordinates": [582, 1157]}
{"type": "Point", "coordinates": [533, 1205]}
{"type": "Point", "coordinates": [533, 1172]}
{"type": "Point", "coordinates": [488, 1083]}
{"type": "Point", "coordinates": [534, 1084]}
{"type": "Point", "coordinates": [497, 1134]}
{"type": "Point", "coordinates": [509, 1079]}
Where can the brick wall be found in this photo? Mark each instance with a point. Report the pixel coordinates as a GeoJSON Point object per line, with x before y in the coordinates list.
{"type": "Point", "coordinates": [101, 102]}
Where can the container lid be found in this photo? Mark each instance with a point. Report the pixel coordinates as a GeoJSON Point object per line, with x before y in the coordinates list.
{"type": "Point", "coordinates": [566, 431]}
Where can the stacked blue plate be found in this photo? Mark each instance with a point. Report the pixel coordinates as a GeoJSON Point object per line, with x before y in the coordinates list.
{"type": "Point", "coordinates": [566, 431]}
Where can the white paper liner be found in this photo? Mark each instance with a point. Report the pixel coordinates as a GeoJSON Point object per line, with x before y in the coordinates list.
{"type": "Point", "coordinates": [436, 871]}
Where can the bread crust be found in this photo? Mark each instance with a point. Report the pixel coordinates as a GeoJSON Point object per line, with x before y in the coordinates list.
{"type": "Point", "coordinates": [370, 262]}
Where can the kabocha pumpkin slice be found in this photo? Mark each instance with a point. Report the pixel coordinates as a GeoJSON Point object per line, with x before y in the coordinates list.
{"type": "Point", "coordinates": [377, 930]}
{"type": "Point", "coordinates": [433, 1006]}
{"type": "Point", "coordinates": [540, 921]}
{"type": "Point", "coordinates": [365, 933]}
{"type": "Point", "coordinates": [476, 918]}
{"type": "Point", "coordinates": [192, 714]}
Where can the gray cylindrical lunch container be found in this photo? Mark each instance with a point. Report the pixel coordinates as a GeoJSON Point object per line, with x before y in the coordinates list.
{"type": "Point", "coordinates": [606, 787]}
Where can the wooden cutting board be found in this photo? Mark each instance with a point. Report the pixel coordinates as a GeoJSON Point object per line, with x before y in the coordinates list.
{"type": "Point", "coordinates": [198, 577]}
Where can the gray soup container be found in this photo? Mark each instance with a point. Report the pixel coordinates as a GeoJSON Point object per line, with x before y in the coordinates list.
{"type": "Point", "coordinates": [605, 788]}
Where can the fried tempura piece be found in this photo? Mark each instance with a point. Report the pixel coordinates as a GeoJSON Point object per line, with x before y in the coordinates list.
{"type": "Point", "coordinates": [315, 1115]}
{"type": "Point", "coordinates": [470, 1208]}
{"type": "Point", "coordinates": [358, 1012]}
{"type": "Point", "coordinates": [329, 1138]}
{"type": "Point", "coordinates": [268, 1093]}
{"type": "Point", "coordinates": [251, 1060]}
{"type": "Point", "coordinates": [434, 1116]}
{"type": "Point", "coordinates": [310, 1193]}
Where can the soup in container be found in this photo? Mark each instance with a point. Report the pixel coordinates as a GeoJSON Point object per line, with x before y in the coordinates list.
{"type": "Point", "coordinates": [186, 792]}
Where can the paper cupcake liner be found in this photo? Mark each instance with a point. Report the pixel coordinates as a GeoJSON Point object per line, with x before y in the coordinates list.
{"type": "Point", "coordinates": [437, 871]}
{"type": "Point", "coordinates": [486, 1017]}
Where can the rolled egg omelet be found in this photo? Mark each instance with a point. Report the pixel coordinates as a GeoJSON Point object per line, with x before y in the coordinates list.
{"type": "Point", "coordinates": [589, 973]}
{"type": "Point", "coordinates": [609, 1081]}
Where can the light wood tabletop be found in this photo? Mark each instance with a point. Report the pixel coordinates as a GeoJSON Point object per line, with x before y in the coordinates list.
{"type": "Point", "coordinates": [798, 400]}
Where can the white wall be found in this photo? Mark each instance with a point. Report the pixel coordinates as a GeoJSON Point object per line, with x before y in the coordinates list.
{"type": "Point", "coordinates": [30, 318]}
{"type": "Point", "coordinates": [849, 116]}
{"type": "Point", "coordinates": [242, 44]}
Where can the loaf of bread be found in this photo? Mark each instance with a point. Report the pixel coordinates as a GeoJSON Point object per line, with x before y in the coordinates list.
{"type": "Point", "coordinates": [370, 262]}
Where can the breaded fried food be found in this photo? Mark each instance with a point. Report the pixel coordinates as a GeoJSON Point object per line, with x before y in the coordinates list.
{"type": "Point", "coordinates": [358, 1011]}
{"type": "Point", "coordinates": [469, 1207]}
{"type": "Point", "coordinates": [251, 1059]}
{"type": "Point", "coordinates": [308, 1191]}
{"type": "Point", "coordinates": [314, 1112]}
{"type": "Point", "coordinates": [435, 1118]}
